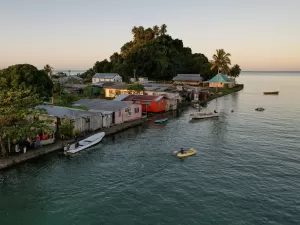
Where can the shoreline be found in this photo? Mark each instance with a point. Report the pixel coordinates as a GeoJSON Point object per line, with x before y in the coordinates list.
{"type": "Point", "coordinates": [6, 163]}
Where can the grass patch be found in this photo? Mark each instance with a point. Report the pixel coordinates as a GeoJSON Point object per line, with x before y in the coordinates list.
{"type": "Point", "coordinates": [223, 91]}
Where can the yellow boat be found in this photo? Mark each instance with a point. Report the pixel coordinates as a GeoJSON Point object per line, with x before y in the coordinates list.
{"type": "Point", "coordinates": [187, 153]}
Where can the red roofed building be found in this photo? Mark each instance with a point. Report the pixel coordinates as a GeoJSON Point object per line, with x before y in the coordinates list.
{"type": "Point", "coordinates": [150, 103]}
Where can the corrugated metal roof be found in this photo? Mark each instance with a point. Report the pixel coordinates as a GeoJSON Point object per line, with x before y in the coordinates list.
{"type": "Point", "coordinates": [104, 84]}
{"type": "Point", "coordinates": [106, 75]}
{"type": "Point", "coordinates": [151, 88]}
{"type": "Point", "coordinates": [118, 86]}
{"type": "Point", "coordinates": [140, 98]}
{"type": "Point", "coordinates": [59, 111]}
{"type": "Point", "coordinates": [188, 77]}
{"type": "Point", "coordinates": [100, 104]}
{"type": "Point", "coordinates": [104, 112]}
{"type": "Point", "coordinates": [75, 86]}
{"type": "Point", "coordinates": [156, 85]}
{"type": "Point", "coordinates": [121, 97]}
{"type": "Point", "coordinates": [219, 78]}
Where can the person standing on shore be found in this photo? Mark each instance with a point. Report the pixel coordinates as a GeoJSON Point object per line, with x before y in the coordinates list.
{"type": "Point", "coordinates": [37, 141]}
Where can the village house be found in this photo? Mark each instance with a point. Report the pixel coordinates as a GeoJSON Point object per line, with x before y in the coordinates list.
{"type": "Point", "coordinates": [167, 92]}
{"type": "Point", "coordinates": [83, 120]}
{"type": "Point", "coordinates": [150, 103]}
{"type": "Point", "coordinates": [118, 89]}
{"type": "Point", "coordinates": [221, 81]}
{"type": "Point", "coordinates": [106, 77]}
{"type": "Point", "coordinates": [121, 111]}
{"type": "Point", "coordinates": [173, 97]}
{"type": "Point", "coordinates": [187, 79]}
{"type": "Point", "coordinates": [74, 88]}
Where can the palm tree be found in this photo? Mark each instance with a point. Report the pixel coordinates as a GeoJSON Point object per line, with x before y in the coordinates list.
{"type": "Point", "coordinates": [235, 71]}
{"type": "Point", "coordinates": [221, 61]}
{"type": "Point", "coordinates": [156, 30]}
{"type": "Point", "coordinates": [49, 70]}
{"type": "Point", "coordinates": [135, 32]}
{"type": "Point", "coordinates": [163, 29]}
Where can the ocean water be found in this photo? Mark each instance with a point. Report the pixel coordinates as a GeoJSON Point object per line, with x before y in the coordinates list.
{"type": "Point", "coordinates": [246, 170]}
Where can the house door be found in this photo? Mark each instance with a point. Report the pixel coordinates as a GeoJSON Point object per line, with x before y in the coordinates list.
{"type": "Point", "coordinates": [113, 118]}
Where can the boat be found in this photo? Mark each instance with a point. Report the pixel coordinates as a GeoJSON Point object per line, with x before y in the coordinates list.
{"type": "Point", "coordinates": [187, 153]}
{"type": "Point", "coordinates": [84, 144]}
{"type": "Point", "coordinates": [204, 115]}
{"type": "Point", "coordinates": [197, 106]}
{"type": "Point", "coordinates": [271, 93]}
{"type": "Point", "coordinates": [260, 109]}
{"type": "Point", "coordinates": [162, 120]}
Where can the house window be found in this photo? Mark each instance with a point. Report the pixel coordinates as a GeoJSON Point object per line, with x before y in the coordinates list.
{"type": "Point", "coordinates": [136, 110]}
{"type": "Point", "coordinates": [119, 113]}
{"type": "Point", "coordinates": [147, 103]}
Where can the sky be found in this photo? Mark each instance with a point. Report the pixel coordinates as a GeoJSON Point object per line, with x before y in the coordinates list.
{"type": "Point", "coordinates": [261, 35]}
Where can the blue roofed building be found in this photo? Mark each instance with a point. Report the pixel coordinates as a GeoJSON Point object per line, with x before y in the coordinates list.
{"type": "Point", "coordinates": [106, 77]}
{"type": "Point", "coordinates": [220, 81]}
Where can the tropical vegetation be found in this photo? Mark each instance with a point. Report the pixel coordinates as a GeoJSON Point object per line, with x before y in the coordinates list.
{"type": "Point", "coordinates": [154, 54]}
{"type": "Point", "coordinates": [18, 117]}
{"type": "Point", "coordinates": [235, 71]}
{"type": "Point", "coordinates": [222, 62]}
{"type": "Point", "coordinates": [23, 77]}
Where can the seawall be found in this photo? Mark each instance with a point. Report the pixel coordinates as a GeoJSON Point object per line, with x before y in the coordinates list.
{"type": "Point", "coordinates": [58, 145]}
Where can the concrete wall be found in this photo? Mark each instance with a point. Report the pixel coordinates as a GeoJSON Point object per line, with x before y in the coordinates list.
{"type": "Point", "coordinates": [186, 82]}
{"type": "Point", "coordinates": [112, 93]}
{"type": "Point", "coordinates": [221, 84]}
{"type": "Point", "coordinates": [172, 104]}
{"type": "Point", "coordinates": [164, 93]}
{"type": "Point", "coordinates": [107, 120]}
{"type": "Point", "coordinates": [115, 79]}
{"type": "Point", "coordinates": [132, 112]}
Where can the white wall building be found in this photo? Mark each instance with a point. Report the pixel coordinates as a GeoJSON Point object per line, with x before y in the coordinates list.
{"type": "Point", "coordinates": [106, 77]}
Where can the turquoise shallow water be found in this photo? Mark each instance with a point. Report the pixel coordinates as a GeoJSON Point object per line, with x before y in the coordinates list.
{"type": "Point", "coordinates": [246, 170]}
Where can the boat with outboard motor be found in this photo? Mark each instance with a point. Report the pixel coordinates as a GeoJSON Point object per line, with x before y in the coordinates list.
{"type": "Point", "coordinates": [204, 115]}
{"type": "Point", "coordinates": [260, 109]}
{"type": "Point", "coordinates": [84, 144]}
{"type": "Point", "coordinates": [271, 93]}
{"type": "Point", "coordinates": [185, 153]}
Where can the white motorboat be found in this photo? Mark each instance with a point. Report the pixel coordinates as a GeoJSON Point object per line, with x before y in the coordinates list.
{"type": "Point", "coordinates": [84, 144]}
{"type": "Point", "coordinates": [204, 115]}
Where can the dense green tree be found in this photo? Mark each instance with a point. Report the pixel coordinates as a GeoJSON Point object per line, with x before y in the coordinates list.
{"type": "Point", "coordinates": [136, 88]}
{"type": "Point", "coordinates": [154, 54]}
{"type": "Point", "coordinates": [49, 70]}
{"type": "Point", "coordinates": [18, 118]}
{"type": "Point", "coordinates": [221, 61]}
{"type": "Point", "coordinates": [27, 77]}
{"type": "Point", "coordinates": [235, 71]}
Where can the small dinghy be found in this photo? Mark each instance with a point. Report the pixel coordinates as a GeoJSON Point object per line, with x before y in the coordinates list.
{"type": "Point", "coordinates": [186, 153]}
{"type": "Point", "coordinates": [260, 109]}
{"type": "Point", "coordinates": [271, 93]}
{"type": "Point", "coordinates": [204, 115]}
{"type": "Point", "coordinates": [84, 144]}
{"type": "Point", "coordinates": [162, 120]}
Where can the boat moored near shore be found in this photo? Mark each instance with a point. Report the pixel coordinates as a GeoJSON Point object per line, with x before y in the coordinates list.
{"type": "Point", "coordinates": [204, 115]}
{"type": "Point", "coordinates": [271, 93]}
{"type": "Point", "coordinates": [84, 144]}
